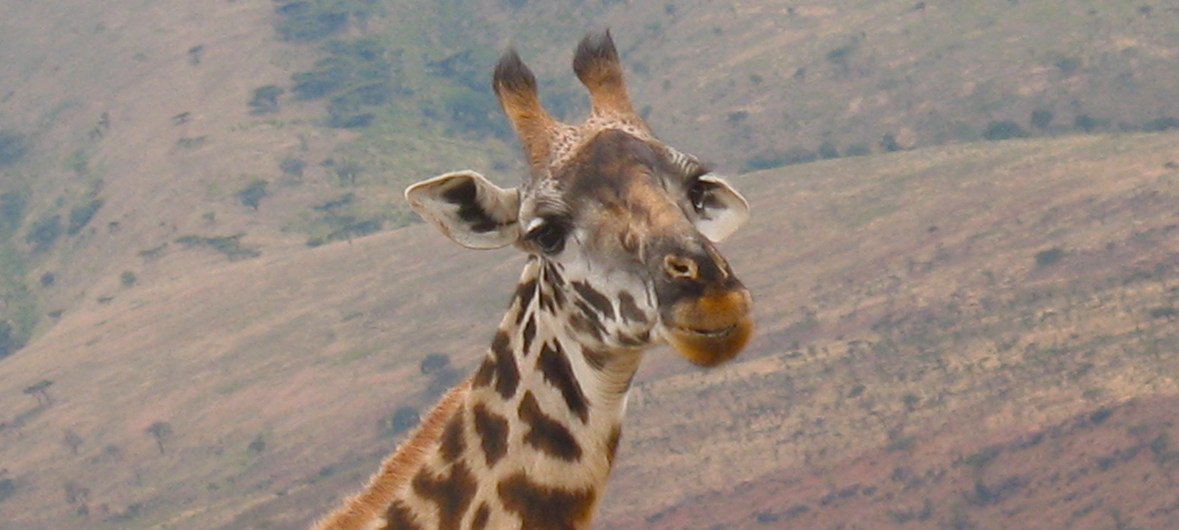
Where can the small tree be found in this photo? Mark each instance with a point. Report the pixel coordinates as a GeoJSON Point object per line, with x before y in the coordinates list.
{"type": "Point", "coordinates": [160, 430]}
{"type": "Point", "coordinates": [9, 340]}
{"type": "Point", "coordinates": [434, 362]}
{"type": "Point", "coordinates": [44, 232]}
{"type": "Point", "coordinates": [828, 150]}
{"type": "Point", "coordinates": [253, 193]}
{"type": "Point", "coordinates": [1003, 130]}
{"type": "Point", "coordinates": [265, 100]}
{"type": "Point", "coordinates": [1088, 123]}
{"type": "Point", "coordinates": [12, 210]}
{"type": "Point", "coordinates": [858, 150]}
{"type": "Point", "coordinates": [258, 445]}
{"type": "Point", "coordinates": [292, 166]}
{"type": "Point", "coordinates": [7, 488]}
{"type": "Point", "coordinates": [81, 215]}
{"type": "Point", "coordinates": [41, 392]}
{"type": "Point", "coordinates": [1165, 123]}
{"type": "Point", "coordinates": [78, 496]}
{"type": "Point", "coordinates": [403, 419]}
{"type": "Point", "coordinates": [12, 147]}
{"type": "Point", "coordinates": [444, 378]}
{"type": "Point", "coordinates": [72, 440]}
{"type": "Point", "coordinates": [1042, 118]}
{"type": "Point", "coordinates": [113, 453]}
{"type": "Point", "coordinates": [1048, 257]}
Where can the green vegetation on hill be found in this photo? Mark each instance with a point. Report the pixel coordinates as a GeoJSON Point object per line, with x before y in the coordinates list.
{"type": "Point", "coordinates": [160, 185]}
{"type": "Point", "coordinates": [19, 316]}
{"type": "Point", "coordinates": [12, 147]}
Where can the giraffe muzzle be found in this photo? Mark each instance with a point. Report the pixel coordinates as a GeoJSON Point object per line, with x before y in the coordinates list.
{"type": "Point", "coordinates": [710, 329]}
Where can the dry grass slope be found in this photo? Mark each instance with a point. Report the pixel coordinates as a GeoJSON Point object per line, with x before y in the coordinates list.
{"type": "Point", "coordinates": [928, 304]}
{"type": "Point", "coordinates": [922, 306]}
{"type": "Point", "coordinates": [900, 301]}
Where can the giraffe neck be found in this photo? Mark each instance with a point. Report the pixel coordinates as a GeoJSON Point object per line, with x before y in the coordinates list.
{"type": "Point", "coordinates": [547, 409]}
{"type": "Point", "coordinates": [527, 442]}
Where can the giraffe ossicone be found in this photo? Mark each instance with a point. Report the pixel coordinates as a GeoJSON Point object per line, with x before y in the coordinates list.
{"type": "Point", "coordinates": [620, 231]}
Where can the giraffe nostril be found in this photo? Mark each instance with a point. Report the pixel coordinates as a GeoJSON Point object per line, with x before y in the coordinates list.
{"type": "Point", "coordinates": [680, 268]}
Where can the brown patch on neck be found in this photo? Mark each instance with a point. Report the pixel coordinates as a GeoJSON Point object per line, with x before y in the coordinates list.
{"type": "Point", "coordinates": [452, 493]}
{"type": "Point", "coordinates": [397, 470]}
{"type": "Point", "coordinates": [543, 507]}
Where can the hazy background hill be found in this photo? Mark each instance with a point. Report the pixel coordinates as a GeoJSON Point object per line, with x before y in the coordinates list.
{"type": "Point", "coordinates": [211, 319]}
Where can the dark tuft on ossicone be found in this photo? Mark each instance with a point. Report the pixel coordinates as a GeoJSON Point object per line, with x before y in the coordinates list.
{"type": "Point", "coordinates": [596, 56]}
{"type": "Point", "coordinates": [513, 75]}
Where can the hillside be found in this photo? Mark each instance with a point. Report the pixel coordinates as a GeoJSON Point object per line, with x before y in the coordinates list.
{"type": "Point", "coordinates": [936, 322]}
{"type": "Point", "coordinates": [212, 314]}
{"type": "Point", "coordinates": [931, 319]}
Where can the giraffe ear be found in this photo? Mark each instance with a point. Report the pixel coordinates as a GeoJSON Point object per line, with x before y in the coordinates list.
{"type": "Point", "coordinates": [468, 209]}
{"type": "Point", "coordinates": [720, 210]}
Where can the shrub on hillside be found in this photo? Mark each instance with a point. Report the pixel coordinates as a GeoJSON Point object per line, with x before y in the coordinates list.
{"type": "Point", "coordinates": [433, 363]}
{"type": "Point", "coordinates": [356, 75]}
{"type": "Point", "coordinates": [1041, 118]}
{"type": "Point", "coordinates": [12, 147]}
{"type": "Point", "coordinates": [858, 150]}
{"type": "Point", "coordinates": [1003, 130]}
{"type": "Point", "coordinates": [292, 166]}
{"type": "Point", "coordinates": [1088, 123]}
{"type": "Point", "coordinates": [309, 21]}
{"type": "Point", "coordinates": [253, 193]}
{"type": "Point", "coordinates": [265, 100]}
{"type": "Point", "coordinates": [231, 246]}
{"type": "Point", "coordinates": [81, 215]}
{"type": "Point", "coordinates": [403, 419]}
{"type": "Point", "coordinates": [1165, 123]}
{"type": "Point", "coordinates": [257, 445]}
{"type": "Point", "coordinates": [794, 155]}
{"type": "Point", "coordinates": [828, 150]}
{"type": "Point", "coordinates": [839, 56]}
{"type": "Point", "coordinates": [1045, 258]}
{"type": "Point", "coordinates": [1067, 65]}
{"type": "Point", "coordinates": [7, 489]}
{"type": "Point", "coordinates": [344, 228]}
{"type": "Point", "coordinates": [44, 232]}
{"type": "Point", "coordinates": [9, 341]}
{"type": "Point", "coordinates": [471, 111]}
{"type": "Point", "coordinates": [318, 83]}
{"type": "Point", "coordinates": [12, 210]}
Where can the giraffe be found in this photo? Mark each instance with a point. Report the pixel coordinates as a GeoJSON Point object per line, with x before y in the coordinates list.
{"type": "Point", "coordinates": [619, 231]}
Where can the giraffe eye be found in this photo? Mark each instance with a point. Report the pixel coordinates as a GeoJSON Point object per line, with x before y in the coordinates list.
{"type": "Point", "coordinates": [698, 194]}
{"type": "Point", "coordinates": [549, 237]}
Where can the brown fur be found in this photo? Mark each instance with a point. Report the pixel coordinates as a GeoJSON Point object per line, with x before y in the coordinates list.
{"type": "Point", "coordinates": [397, 470]}
{"type": "Point", "coordinates": [515, 86]}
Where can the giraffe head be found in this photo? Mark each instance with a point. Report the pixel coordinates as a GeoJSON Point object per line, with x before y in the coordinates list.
{"type": "Point", "coordinates": [623, 225]}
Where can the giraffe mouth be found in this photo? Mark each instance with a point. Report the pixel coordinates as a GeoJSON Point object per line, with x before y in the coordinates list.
{"type": "Point", "coordinates": [712, 329]}
{"type": "Point", "coordinates": [712, 334]}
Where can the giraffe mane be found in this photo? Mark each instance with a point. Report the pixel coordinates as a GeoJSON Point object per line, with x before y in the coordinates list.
{"type": "Point", "coordinates": [399, 469]}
